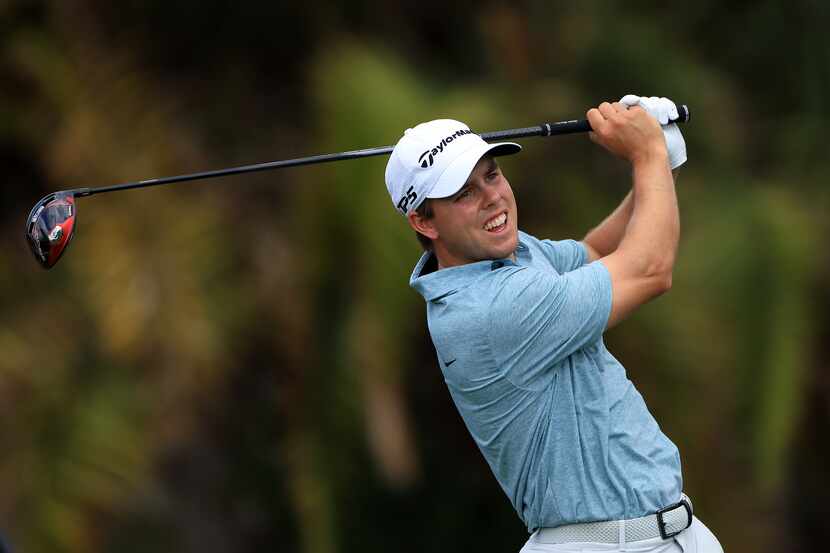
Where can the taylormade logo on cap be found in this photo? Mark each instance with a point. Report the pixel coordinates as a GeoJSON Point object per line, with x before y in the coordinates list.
{"type": "Point", "coordinates": [434, 160]}
{"type": "Point", "coordinates": [440, 148]}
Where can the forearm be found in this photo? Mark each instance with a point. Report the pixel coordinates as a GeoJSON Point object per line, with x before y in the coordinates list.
{"type": "Point", "coordinates": [651, 237]}
{"type": "Point", "coordinates": [606, 237]}
{"type": "Point", "coordinates": [641, 267]}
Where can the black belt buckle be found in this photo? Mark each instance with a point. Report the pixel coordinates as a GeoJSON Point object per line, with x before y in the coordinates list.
{"type": "Point", "coordinates": [661, 524]}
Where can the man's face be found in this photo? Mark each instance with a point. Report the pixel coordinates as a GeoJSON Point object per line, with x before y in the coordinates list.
{"type": "Point", "coordinates": [479, 221]}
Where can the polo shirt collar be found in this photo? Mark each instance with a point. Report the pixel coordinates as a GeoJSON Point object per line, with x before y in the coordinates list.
{"type": "Point", "coordinates": [438, 284]}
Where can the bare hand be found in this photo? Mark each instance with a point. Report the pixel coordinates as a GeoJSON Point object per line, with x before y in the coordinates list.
{"type": "Point", "coordinates": [629, 133]}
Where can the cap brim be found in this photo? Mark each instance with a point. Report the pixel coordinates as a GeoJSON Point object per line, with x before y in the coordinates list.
{"type": "Point", "coordinates": [457, 173]}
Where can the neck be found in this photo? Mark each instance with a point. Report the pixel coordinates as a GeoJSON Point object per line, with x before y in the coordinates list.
{"type": "Point", "coordinates": [442, 265]}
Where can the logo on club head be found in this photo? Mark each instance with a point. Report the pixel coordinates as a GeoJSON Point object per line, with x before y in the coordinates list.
{"type": "Point", "coordinates": [56, 233]}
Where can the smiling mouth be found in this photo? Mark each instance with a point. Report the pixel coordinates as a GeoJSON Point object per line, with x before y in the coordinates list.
{"type": "Point", "coordinates": [497, 223]}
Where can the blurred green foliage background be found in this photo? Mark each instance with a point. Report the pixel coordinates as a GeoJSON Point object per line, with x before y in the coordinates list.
{"type": "Point", "coordinates": [239, 365]}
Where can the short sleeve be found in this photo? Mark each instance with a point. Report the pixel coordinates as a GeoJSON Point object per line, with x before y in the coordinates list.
{"type": "Point", "coordinates": [565, 255]}
{"type": "Point", "coordinates": [539, 319]}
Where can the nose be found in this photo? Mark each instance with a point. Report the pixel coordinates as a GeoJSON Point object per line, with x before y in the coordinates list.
{"type": "Point", "coordinates": [491, 195]}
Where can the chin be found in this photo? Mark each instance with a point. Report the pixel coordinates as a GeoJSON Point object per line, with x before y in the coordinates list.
{"type": "Point", "coordinates": [508, 247]}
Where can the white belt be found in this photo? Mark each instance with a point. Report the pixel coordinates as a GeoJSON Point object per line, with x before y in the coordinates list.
{"type": "Point", "coordinates": [665, 523]}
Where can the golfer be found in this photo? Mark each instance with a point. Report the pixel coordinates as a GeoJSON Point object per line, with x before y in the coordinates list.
{"type": "Point", "coordinates": [517, 324]}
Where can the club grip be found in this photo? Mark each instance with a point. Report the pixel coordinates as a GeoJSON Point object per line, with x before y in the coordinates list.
{"type": "Point", "coordinates": [582, 125]}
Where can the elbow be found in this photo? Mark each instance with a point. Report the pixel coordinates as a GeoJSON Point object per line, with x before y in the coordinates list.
{"type": "Point", "coordinates": [660, 278]}
{"type": "Point", "coordinates": [655, 285]}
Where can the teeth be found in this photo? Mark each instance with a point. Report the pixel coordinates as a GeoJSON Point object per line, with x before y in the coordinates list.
{"type": "Point", "coordinates": [497, 222]}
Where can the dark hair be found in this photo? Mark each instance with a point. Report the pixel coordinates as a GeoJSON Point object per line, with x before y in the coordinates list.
{"type": "Point", "coordinates": [425, 211]}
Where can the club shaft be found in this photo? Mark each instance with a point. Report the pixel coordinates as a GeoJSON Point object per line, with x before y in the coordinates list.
{"type": "Point", "coordinates": [545, 129]}
{"type": "Point", "coordinates": [324, 158]}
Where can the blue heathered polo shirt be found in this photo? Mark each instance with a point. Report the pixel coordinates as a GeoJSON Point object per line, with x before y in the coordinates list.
{"type": "Point", "coordinates": [520, 345]}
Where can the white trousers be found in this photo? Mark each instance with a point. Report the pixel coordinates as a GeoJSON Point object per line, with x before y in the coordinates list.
{"type": "Point", "coordinates": [694, 539]}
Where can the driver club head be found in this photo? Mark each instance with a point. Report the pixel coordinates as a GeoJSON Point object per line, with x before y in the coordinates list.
{"type": "Point", "coordinates": [51, 226]}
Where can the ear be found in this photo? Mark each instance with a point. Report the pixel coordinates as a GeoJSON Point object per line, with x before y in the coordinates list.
{"type": "Point", "coordinates": [423, 225]}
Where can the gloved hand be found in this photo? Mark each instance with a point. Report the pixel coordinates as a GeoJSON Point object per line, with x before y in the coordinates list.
{"type": "Point", "coordinates": [663, 110]}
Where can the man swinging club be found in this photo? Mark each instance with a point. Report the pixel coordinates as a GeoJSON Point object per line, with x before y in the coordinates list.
{"type": "Point", "coordinates": [517, 324]}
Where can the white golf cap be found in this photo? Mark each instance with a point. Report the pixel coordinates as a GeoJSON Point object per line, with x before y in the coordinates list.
{"type": "Point", "coordinates": [434, 160]}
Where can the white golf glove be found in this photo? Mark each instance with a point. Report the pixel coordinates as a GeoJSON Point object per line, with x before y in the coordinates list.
{"type": "Point", "coordinates": [663, 110]}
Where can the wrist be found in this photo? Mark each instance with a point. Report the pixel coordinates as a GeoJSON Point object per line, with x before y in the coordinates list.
{"type": "Point", "coordinates": [651, 155]}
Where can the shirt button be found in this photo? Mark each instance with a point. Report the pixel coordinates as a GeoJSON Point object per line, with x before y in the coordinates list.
{"type": "Point", "coordinates": [496, 265]}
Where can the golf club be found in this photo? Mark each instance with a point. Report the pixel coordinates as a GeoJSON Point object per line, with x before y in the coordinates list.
{"type": "Point", "coordinates": [50, 226]}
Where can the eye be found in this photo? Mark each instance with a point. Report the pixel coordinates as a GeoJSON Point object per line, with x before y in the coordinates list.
{"type": "Point", "coordinates": [463, 194]}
